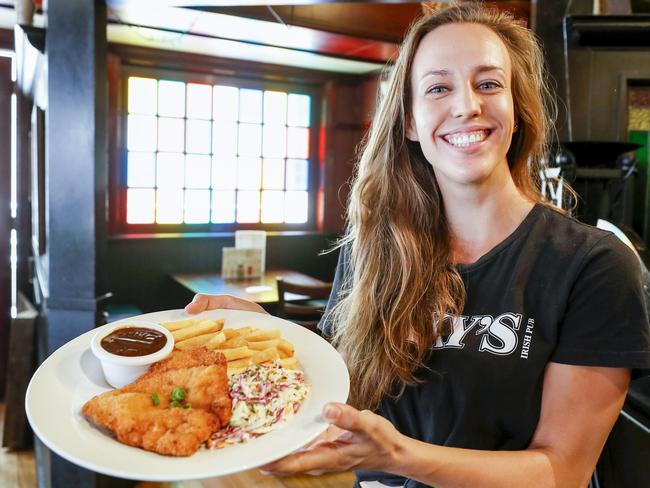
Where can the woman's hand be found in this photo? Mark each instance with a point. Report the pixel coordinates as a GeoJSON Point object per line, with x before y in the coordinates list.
{"type": "Point", "coordinates": [202, 302]}
{"type": "Point", "coordinates": [357, 439]}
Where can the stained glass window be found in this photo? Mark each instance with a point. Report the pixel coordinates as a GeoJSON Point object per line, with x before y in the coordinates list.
{"type": "Point", "coordinates": [216, 154]}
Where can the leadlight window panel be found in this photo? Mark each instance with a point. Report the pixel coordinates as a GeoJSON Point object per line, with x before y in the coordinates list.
{"type": "Point", "coordinates": [200, 153]}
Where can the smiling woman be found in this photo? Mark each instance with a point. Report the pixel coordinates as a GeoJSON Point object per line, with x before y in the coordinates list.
{"type": "Point", "coordinates": [476, 319]}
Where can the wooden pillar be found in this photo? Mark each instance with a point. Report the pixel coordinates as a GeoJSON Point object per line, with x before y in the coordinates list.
{"type": "Point", "coordinates": [6, 220]}
{"type": "Point", "coordinates": [76, 165]}
{"type": "Point", "coordinates": [76, 169]}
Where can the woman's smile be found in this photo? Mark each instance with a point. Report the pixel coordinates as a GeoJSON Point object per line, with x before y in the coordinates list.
{"type": "Point", "coordinates": [467, 140]}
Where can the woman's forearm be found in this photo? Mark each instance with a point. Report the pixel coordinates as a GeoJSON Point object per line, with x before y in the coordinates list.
{"type": "Point", "coordinates": [447, 467]}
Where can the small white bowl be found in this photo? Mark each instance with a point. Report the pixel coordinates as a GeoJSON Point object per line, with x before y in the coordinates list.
{"type": "Point", "coordinates": [122, 370]}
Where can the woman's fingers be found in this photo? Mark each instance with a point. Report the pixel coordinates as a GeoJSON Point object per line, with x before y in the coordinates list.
{"type": "Point", "coordinates": [202, 302]}
{"type": "Point", "coordinates": [349, 418]}
{"type": "Point", "coordinates": [198, 304]}
{"type": "Point", "coordinates": [323, 457]}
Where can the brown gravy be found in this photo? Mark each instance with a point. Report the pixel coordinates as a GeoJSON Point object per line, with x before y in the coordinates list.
{"type": "Point", "coordinates": [134, 341]}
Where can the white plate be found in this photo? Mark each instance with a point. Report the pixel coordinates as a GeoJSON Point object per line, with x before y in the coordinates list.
{"type": "Point", "coordinates": [72, 375]}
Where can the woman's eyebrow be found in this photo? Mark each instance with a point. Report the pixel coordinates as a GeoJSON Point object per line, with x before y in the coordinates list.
{"type": "Point", "coordinates": [483, 68]}
{"type": "Point", "coordinates": [488, 67]}
{"type": "Point", "coordinates": [437, 72]}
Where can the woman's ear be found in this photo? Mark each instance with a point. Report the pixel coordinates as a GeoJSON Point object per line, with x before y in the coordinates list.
{"type": "Point", "coordinates": [411, 132]}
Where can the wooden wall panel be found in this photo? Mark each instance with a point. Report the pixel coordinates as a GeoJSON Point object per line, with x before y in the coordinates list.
{"type": "Point", "coordinates": [6, 89]}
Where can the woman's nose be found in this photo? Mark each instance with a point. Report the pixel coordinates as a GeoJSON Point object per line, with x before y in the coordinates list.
{"type": "Point", "coordinates": [466, 103]}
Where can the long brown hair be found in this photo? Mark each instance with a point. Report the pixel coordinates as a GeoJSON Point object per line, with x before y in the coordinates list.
{"type": "Point", "coordinates": [401, 277]}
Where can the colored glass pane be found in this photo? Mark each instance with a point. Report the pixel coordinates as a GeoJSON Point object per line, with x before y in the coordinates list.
{"type": "Point", "coordinates": [141, 169]}
{"type": "Point", "coordinates": [171, 98]}
{"type": "Point", "coordinates": [198, 138]}
{"type": "Point", "coordinates": [199, 101]}
{"type": "Point", "coordinates": [248, 206]}
{"type": "Point", "coordinates": [142, 95]}
{"type": "Point", "coordinates": [171, 134]}
{"type": "Point", "coordinates": [197, 171]}
{"type": "Point", "coordinates": [140, 206]}
{"type": "Point", "coordinates": [223, 207]}
{"type": "Point", "coordinates": [142, 133]}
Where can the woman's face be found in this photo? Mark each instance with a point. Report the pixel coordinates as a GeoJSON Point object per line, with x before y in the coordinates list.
{"type": "Point", "coordinates": [462, 107]}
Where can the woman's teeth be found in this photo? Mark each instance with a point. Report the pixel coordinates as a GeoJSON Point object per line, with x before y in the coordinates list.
{"type": "Point", "coordinates": [466, 139]}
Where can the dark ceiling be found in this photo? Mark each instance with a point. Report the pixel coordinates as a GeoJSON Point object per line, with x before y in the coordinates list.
{"type": "Point", "coordinates": [369, 20]}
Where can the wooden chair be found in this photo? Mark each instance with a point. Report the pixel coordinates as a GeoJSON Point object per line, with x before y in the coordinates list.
{"type": "Point", "coordinates": [306, 310]}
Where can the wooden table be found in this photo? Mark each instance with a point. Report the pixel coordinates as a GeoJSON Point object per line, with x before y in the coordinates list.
{"type": "Point", "coordinates": [254, 478]}
{"type": "Point", "coordinates": [262, 290]}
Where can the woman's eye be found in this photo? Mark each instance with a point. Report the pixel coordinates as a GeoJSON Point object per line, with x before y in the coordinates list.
{"type": "Point", "coordinates": [437, 89]}
{"type": "Point", "coordinates": [488, 85]}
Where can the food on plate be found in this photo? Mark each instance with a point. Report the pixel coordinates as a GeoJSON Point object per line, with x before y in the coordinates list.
{"type": "Point", "coordinates": [126, 350]}
{"type": "Point", "coordinates": [242, 346]}
{"type": "Point", "coordinates": [203, 327]}
{"type": "Point", "coordinates": [134, 341]}
{"type": "Point", "coordinates": [172, 409]}
{"type": "Point", "coordinates": [264, 397]}
{"type": "Point", "coordinates": [218, 386]}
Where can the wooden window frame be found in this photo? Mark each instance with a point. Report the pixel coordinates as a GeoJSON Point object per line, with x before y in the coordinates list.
{"type": "Point", "coordinates": [195, 73]}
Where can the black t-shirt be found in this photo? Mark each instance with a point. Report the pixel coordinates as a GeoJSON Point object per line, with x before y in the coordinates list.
{"type": "Point", "coordinates": [555, 290]}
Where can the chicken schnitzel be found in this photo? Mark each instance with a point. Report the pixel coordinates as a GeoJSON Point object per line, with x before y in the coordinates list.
{"type": "Point", "coordinates": [173, 408]}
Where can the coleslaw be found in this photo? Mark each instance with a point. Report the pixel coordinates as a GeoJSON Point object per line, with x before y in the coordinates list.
{"type": "Point", "coordinates": [263, 397]}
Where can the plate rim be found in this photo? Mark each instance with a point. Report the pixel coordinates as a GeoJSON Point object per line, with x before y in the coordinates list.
{"type": "Point", "coordinates": [78, 342]}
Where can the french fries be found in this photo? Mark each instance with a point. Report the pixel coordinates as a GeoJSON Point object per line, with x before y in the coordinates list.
{"type": "Point", "coordinates": [242, 346]}
{"type": "Point", "coordinates": [198, 328]}
{"type": "Point", "coordinates": [196, 341]}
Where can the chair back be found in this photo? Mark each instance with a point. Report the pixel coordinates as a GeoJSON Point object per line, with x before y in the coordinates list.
{"type": "Point", "coordinates": [302, 304]}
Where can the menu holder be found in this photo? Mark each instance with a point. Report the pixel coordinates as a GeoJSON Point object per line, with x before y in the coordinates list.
{"type": "Point", "coordinates": [241, 263]}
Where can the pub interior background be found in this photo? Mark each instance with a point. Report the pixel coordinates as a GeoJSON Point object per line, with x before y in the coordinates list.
{"type": "Point", "coordinates": [71, 259]}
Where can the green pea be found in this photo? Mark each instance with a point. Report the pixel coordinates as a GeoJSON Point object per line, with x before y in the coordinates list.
{"type": "Point", "coordinates": [178, 395]}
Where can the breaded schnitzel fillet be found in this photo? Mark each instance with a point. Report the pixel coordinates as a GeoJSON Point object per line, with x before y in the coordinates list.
{"type": "Point", "coordinates": [130, 412]}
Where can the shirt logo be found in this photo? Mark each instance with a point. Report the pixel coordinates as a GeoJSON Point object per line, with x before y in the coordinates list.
{"type": "Point", "coordinates": [498, 334]}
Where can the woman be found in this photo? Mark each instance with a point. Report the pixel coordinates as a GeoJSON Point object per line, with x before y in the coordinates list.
{"type": "Point", "coordinates": [491, 335]}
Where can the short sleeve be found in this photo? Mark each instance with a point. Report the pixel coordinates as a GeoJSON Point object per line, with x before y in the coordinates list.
{"type": "Point", "coordinates": [606, 322]}
{"type": "Point", "coordinates": [326, 325]}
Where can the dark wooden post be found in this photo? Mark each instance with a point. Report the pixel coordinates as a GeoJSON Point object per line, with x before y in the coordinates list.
{"type": "Point", "coordinates": [76, 168]}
